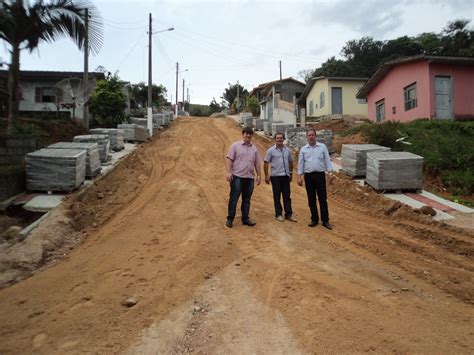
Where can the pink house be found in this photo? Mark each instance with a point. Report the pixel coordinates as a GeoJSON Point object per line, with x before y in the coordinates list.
{"type": "Point", "coordinates": [422, 86]}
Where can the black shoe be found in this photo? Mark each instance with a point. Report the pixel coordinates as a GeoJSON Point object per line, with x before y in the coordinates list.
{"type": "Point", "coordinates": [249, 223]}
{"type": "Point", "coordinates": [327, 225]}
{"type": "Point", "coordinates": [313, 224]}
{"type": "Point", "coordinates": [228, 223]}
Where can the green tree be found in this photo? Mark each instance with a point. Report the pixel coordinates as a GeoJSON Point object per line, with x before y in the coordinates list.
{"type": "Point", "coordinates": [230, 94]}
{"type": "Point", "coordinates": [108, 101]}
{"type": "Point", "coordinates": [458, 39]}
{"type": "Point", "coordinates": [214, 106]}
{"type": "Point", "coordinates": [24, 26]}
{"type": "Point", "coordinates": [252, 105]}
{"type": "Point", "coordinates": [334, 67]}
{"type": "Point", "coordinates": [158, 94]}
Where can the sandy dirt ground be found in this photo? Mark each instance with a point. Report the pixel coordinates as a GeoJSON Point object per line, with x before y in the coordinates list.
{"type": "Point", "coordinates": [382, 281]}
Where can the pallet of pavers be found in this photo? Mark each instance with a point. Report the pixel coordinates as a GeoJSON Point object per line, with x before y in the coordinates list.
{"type": "Point", "coordinates": [258, 124]}
{"type": "Point", "coordinates": [278, 127]}
{"type": "Point", "coordinates": [292, 134]}
{"type": "Point", "coordinates": [115, 136]}
{"type": "Point", "coordinates": [102, 140]}
{"type": "Point", "coordinates": [139, 121]}
{"type": "Point", "coordinates": [248, 121]}
{"type": "Point", "coordinates": [133, 132]}
{"type": "Point", "coordinates": [92, 155]}
{"type": "Point", "coordinates": [354, 157]}
{"type": "Point", "coordinates": [325, 136]}
{"type": "Point", "coordinates": [55, 170]}
{"type": "Point", "coordinates": [394, 171]}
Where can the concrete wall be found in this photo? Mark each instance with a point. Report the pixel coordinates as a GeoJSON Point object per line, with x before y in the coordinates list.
{"type": "Point", "coordinates": [12, 164]}
{"type": "Point", "coordinates": [289, 89]}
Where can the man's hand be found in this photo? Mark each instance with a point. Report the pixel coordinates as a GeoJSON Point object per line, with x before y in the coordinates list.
{"type": "Point", "coordinates": [229, 177]}
{"type": "Point", "coordinates": [331, 179]}
{"type": "Point", "coordinates": [267, 180]}
{"type": "Point", "coordinates": [259, 180]}
{"type": "Point", "coordinates": [291, 177]}
{"type": "Point", "coordinates": [300, 180]}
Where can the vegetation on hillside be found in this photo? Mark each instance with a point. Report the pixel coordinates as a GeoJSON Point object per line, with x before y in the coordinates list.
{"type": "Point", "coordinates": [446, 146]}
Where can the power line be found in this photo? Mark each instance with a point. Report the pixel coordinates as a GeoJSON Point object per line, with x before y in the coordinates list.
{"type": "Point", "coordinates": [131, 50]}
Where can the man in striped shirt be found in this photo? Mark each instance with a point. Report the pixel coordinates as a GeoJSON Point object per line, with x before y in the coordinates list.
{"type": "Point", "coordinates": [313, 162]}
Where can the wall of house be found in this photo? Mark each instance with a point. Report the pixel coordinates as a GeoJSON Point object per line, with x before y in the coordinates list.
{"type": "Point", "coordinates": [29, 104]}
{"type": "Point", "coordinates": [289, 89]}
{"type": "Point", "coordinates": [350, 104]}
{"type": "Point", "coordinates": [285, 116]}
{"type": "Point", "coordinates": [391, 88]}
{"type": "Point", "coordinates": [318, 87]}
{"type": "Point", "coordinates": [463, 86]}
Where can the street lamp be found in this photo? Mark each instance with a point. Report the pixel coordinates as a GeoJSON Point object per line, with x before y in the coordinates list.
{"type": "Point", "coordinates": [149, 107]}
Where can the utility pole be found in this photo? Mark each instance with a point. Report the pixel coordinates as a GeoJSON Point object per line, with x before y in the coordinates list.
{"type": "Point", "coordinates": [280, 70]}
{"type": "Point", "coordinates": [183, 95]}
{"type": "Point", "coordinates": [85, 114]}
{"type": "Point", "coordinates": [176, 108]}
{"type": "Point", "coordinates": [238, 99]}
{"type": "Point", "coordinates": [149, 116]}
{"type": "Point", "coordinates": [187, 95]}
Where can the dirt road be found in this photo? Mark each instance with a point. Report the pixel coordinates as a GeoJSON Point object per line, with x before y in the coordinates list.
{"type": "Point", "coordinates": [154, 229]}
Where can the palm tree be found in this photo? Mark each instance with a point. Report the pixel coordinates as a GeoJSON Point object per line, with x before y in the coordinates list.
{"type": "Point", "coordinates": [24, 26]}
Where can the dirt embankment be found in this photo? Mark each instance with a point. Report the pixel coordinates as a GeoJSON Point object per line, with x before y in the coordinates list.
{"type": "Point", "coordinates": [383, 280]}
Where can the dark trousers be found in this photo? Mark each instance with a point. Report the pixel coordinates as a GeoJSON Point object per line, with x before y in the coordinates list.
{"type": "Point", "coordinates": [281, 186]}
{"type": "Point", "coordinates": [315, 183]}
{"type": "Point", "coordinates": [240, 186]}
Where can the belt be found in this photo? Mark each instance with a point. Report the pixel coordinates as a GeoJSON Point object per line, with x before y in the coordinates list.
{"type": "Point", "coordinates": [316, 172]}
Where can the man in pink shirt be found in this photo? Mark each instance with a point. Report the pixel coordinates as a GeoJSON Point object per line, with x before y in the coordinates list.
{"type": "Point", "coordinates": [242, 162]}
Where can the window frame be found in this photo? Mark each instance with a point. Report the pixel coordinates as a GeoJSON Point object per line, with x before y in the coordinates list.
{"type": "Point", "coordinates": [321, 99]}
{"type": "Point", "coordinates": [380, 104]}
{"type": "Point", "coordinates": [409, 103]}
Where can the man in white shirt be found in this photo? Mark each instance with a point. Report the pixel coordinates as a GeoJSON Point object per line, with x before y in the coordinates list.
{"type": "Point", "coordinates": [313, 162]}
{"type": "Point", "coordinates": [281, 160]}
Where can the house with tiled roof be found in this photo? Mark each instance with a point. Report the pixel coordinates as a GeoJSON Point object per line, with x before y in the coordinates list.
{"type": "Point", "coordinates": [421, 86]}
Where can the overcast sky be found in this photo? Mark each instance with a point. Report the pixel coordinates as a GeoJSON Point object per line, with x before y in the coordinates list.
{"type": "Point", "coordinates": [220, 42]}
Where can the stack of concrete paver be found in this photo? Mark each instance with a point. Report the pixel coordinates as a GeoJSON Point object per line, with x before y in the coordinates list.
{"type": "Point", "coordinates": [55, 169]}
{"type": "Point", "coordinates": [115, 136]}
{"type": "Point", "coordinates": [243, 116]}
{"type": "Point", "coordinates": [133, 132]}
{"type": "Point", "coordinates": [101, 139]}
{"type": "Point", "coordinates": [92, 155]}
{"type": "Point", "coordinates": [292, 135]}
{"type": "Point", "coordinates": [139, 121]}
{"type": "Point", "coordinates": [258, 123]}
{"type": "Point", "coordinates": [161, 119]}
{"type": "Point", "coordinates": [169, 115]}
{"type": "Point", "coordinates": [394, 171]}
{"type": "Point", "coordinates": [354, 157]}
{"type": "Point", "coordinates": [248, 121]}
{"type": "Point", "coordinates": [279, 127]}
{"type": "Point", "coordinates": [325, 136]}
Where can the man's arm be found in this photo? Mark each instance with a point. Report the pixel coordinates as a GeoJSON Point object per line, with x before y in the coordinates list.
{"type": "Point", "coordinates": [290, 165]}
{"type": "Point", "coordinates": [329, 169]}
{"type": "Point", "coordinates": [300, 167]}
{"type": "Point", "coordinates": [228, 164]}
{"type": "Point", "coordinates": [265, 170]}
{"type": "Point", "coordinates": [258, 168]}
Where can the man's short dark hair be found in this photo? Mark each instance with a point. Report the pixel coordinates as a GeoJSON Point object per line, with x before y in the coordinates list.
{"type": "Point", "coordinates": [309, 130]}
{"type": "Point", "coordinates": [248, 130]}
{"type": "Point", "coordinates": [276, 134]}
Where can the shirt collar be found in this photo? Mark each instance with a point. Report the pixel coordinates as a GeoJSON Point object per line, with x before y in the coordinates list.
{"type": "Point", "coordinates": [243, 143]}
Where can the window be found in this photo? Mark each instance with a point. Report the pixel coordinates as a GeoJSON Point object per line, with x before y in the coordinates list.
{"type": "Point", "coordinates": [311, 108]}
{"type": "Point", "coordinates": [409, 94]}
{"type": "Point", "coordinates": [321, 99]}
{"type": "Point", "coordinates": [48, 94]}
{"type": "Point", "coordinates": [380, 110]}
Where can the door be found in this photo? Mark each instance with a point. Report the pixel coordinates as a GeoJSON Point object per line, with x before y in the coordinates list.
{"type": "Point", "coordinates": [443, 98]}
{"type": "Point", "coordinates": [336, 101]}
